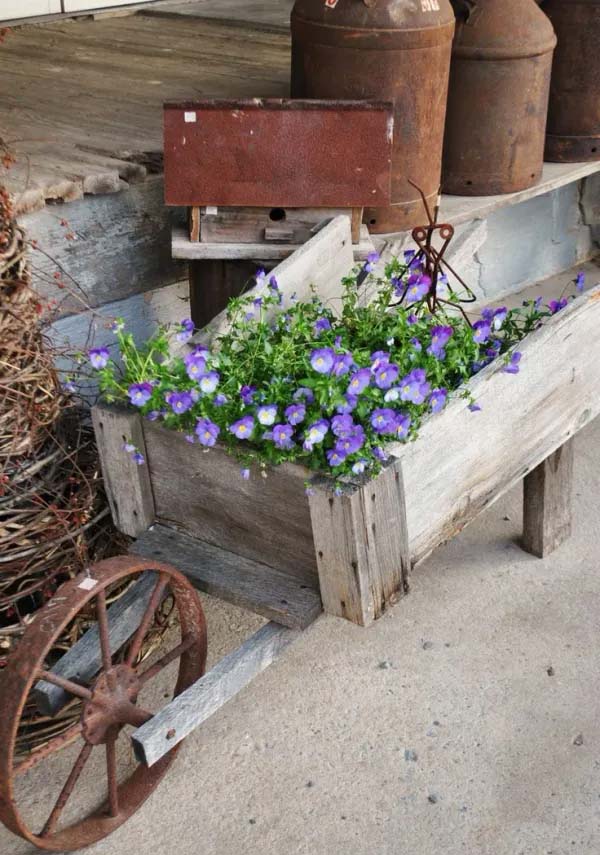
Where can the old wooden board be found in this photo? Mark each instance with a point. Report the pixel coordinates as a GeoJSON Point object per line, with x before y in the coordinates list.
{"type": "Point", "coordinates": [463, 461]}
{"type": "Point", "coordinates": [547, 497]}
{"type": "Point", "coordinates": [208, 694]}
{"type": "Point", "coordinates": [238, 580]}
{"type": "Point", "coordinates": [263, 519]}
{"type": "Point", "coordinates": [83, 660]}
{"type": "Point", "coordinates": [289, 153]}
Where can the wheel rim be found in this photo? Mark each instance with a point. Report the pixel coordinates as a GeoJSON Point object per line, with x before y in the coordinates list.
{"type": "Point", "coordinates": [109, 702]}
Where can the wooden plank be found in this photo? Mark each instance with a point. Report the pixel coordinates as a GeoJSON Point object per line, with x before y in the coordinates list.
{"type": "Point", "coordinates": [208, 694]}
{"type": "Point", "coordinates": [320, 263]}
{"type": "Point", "coordinates": [249, 224]}
{"type": "Point", "coordinates": [547, 499]}
{"type": "Point", "coordinates": [463, 461]}
{"type": "Point", "coordinates": [83, 660]}
{"type": "Point", "coordinates": [194, 223]}
{"type": "Point", "coordinates": [361, 542]}
{"type": "Point", "coordinates": [264, 519]}
{"type": "Point", "coordinates": [127, 484]}
{"type": "Point", "coordinates": [183, 248]}
{"type": "Point", "coordinates": [249, 584]}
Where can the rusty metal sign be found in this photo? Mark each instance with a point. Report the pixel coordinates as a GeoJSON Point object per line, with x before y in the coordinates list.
{"type": "Point", "coordinates": [278, 152]}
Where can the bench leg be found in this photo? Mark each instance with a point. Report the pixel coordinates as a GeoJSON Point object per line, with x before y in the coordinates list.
{"type": "Point", "coordinates": [547, 502]}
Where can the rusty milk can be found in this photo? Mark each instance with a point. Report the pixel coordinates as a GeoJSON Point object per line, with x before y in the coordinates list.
{"type": "Point", "coordinates": [498, 97]}
{"type": "Point", "coordinates": [573, 131]}
{"type": "Point", "coordinates": [390, 50]}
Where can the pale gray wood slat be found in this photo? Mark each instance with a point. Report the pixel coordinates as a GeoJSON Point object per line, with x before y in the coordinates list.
{"type": "Point", "coordinates": [127, 484]}
{"type": "Point", "coordinates": [208, 694]}
{"type": "Point", "coordinates": [463, 461]}
{"type": "Point", "coordinates": [362, 549]}
{"type": "Point", "coordinates": [203, 492]}
{"type": "Point", "coordinates": [547, 498]}
{"type": "Point", "coordinates": [83, 660]}
{"type": "Point", "coordinates": [233, 578]}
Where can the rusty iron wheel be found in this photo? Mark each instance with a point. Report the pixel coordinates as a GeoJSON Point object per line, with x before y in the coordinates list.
{"type": "Point", "coordinates": [108, 701]}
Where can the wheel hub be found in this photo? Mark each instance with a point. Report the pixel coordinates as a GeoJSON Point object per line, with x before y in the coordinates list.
{"type": "Point", "coordinates": [112, 704]}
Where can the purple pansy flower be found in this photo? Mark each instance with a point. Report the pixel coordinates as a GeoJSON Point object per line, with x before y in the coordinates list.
{"type": "Point", "coordinates": [180, 402]}
{"type": "Point", "coordinates": [282, 436]}
{"type": "Point", "coordinates": [392, 394]}
{"type": "Point", "coordinates": [322, 360]}
{"type": "Point", "coordinates": [414, 387]}
{"type": "Point", "coordinates": [247, 394]}
{"type": "Point", "coordinates": [440, 336]}
{"type": "Point", "coordinates": [580, 281]}
{"type": "Point", "coordinates": [474, 407]}
{"type": "Point", "coordinates": [245, 473]}
{"type": "Point", "coordinates": [386, 375]}
{"type": "Point", "coordinates": [139, 393]}
{"type": "Point", "coordinates": [99, 357]}
{"type": "Point", "coordinates": [295, 413]}
{"type": "Point", "coordinates": [379, 453]}
{"type": "Point", "coordinates": [412, 320]}
{"type": "Point", "coordinates": [359, 467]}
{"type": "Point", "coordinates": [342, 364]}
{"type": "Point", "coordinates": [189, 437]}
{"type": "Point", "coordinates": [402, 426]}
{"type": "Point", "coordinates": [418, 288]}
{"type": "Point", "coordinates": [138, 458]}
{"type": "Point", "coordinates": [348, 404]}
{"type": "Point", "coordinates": [512, 367]}
{"type": "Point", "coordinates": [342, 425]}
{"type": "Point", "coordinates": [320, 325]}
{"type": "Point", "coordinates": [195, 365]}
{"type": "Point", "coordinates": [207, 432]}
{"type": "Point", "coordinates": [351, 444]}
{"type": "Point", "coordinates": [220, 399]}
{"type": "Point", "coordinates": [383, 420]}
{"type": "Point", "coordinates": [243, 428]}
{"type": "Point", "coordinates": [266, 414]}
{"type": "Point", "coordinates": [359, 381]}
{"type": "Point", "coordinates": [316, 432]}
{"type": "Point", "coordinates": [186, 329]}
{"type": "Point", "coordinates": [556, 305]}
{"type": "Point", "coordinates": [153, 415]}
{"type": "Point", "coordinates": [437, 399]}
{"type": "Point", "coordinates": [379, 358]}
{"type": "Point", "coordinates": [416, 344]}
{"type": "Point", "coordinates": [372, 259]}
{"type": "Point", "coordinates": [481, 330]}
{"type": "Point", "coordinates": [208, 382]}
{"type": "Point", "coordinates": [260, 276]}
{"type": "Point", "coordinates": [335, 457]}
{"type": "Point", "coordinates": [500, 316]}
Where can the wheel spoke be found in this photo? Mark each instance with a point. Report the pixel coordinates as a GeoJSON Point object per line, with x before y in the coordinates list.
{"type": "Point", "coordinates": [165, 660]}
{"type": "Point", "coordinates": [135, 716]}
{"type": "Point", "coordinates": [67, 790]}
{"type": "Point", "coordinates": [67, 685]}
{"type": "Point", "coordinates": [136, 644]}
{"type": "Point", "coordinates": [48, 749]}
{"type": "Point", "coordinates": [103, 630]}
{"type": "Point", "coordinates": [111, 774]}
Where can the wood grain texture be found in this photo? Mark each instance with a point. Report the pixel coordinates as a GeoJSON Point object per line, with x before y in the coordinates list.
{"type": "Point", "coordinates": [248, 225]}
{"type": "Point", "coordinates": [249, 584]}
{"type": "Point", "coordinates": [203, 492]}
{"type": "Point", "coordinates": [213, 283]}
{"type": "Point", "coordinates": [83, 660]}
{"type": "Point", "coordinates": [128, 486]}
{"type": "Point", "coordinates": [320, 263]}
{"type": "Point", "coordinates": [463, 461]}
{"type": "Point", "coordinates": [208, 694]}
{"type": "Point", "coordinates": [184, 249]}
{"type": "Point", "coordinates": [547, 495]}
{"type": "Point", "coordinates": [361, 542]}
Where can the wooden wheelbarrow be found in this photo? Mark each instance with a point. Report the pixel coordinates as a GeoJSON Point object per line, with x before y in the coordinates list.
{"type": "Point", "coordinates": [267, 546]}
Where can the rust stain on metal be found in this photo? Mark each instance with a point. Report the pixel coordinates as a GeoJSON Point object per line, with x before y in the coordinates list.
{"type": "Point", "coordinates": [498, 97]}
{"type": "Point", "coordinates": [273, 152]}
{"type": "Point", "coordinates": [108, 703]}
{"type": "Point", "coordinates": [392, 49]}
{"type": "Point", "coordinates": [573, 132]}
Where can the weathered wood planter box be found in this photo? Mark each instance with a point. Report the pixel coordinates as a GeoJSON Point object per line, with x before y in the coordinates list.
{"type": "Point", "coordinates": [265, 544]}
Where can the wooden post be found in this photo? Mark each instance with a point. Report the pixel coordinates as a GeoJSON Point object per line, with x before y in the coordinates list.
{"type": "Point", "coordinates": [213, 282]}
{"type": "Point", "coordinates": [361, 542]}
{"type": "Point", "coordinates": [547, 502]}
{"type": "Point", "coordinates": [127, 483]}
{"type": "Point", "coordinates": [194, 223]}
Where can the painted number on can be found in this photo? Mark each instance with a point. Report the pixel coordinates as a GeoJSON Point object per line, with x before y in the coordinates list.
{"type": "Point", "coordinates": [430, 5]}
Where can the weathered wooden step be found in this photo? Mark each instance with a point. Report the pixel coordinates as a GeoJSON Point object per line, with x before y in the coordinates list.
{"type": "Point", "coordinates": [238, 580]}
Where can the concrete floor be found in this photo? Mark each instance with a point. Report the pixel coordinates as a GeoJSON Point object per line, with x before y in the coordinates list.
{"type": "Point", "coordinates": [465, 721]}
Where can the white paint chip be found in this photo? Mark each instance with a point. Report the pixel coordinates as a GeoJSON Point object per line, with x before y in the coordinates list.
{"type": "Point", "coordinates": [189, 116]}
{"type": "Point", "coordinates": [88, 584]}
